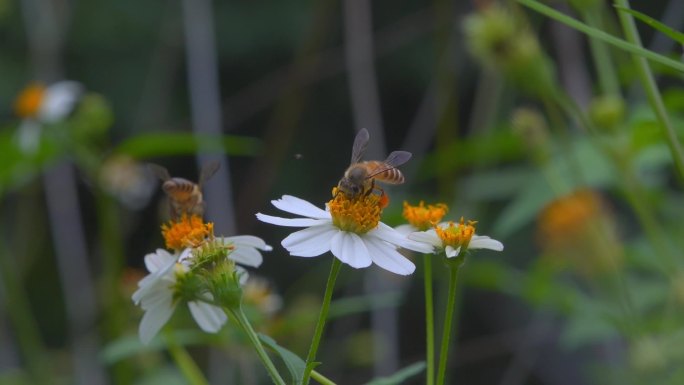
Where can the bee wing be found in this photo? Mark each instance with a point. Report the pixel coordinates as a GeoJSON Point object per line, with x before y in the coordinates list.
{"type": "Point", "coordinates": [159, 171]}
{"type": "Point", "coordinates": [360, 144]}
{"type": "Point", "coordinates": [397, 158]}
{"type": "Point", "coordinates": [208, 170]}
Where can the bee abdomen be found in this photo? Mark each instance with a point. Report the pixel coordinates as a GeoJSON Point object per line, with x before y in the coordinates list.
{"type": "Point", "coordinates": [385, 173]}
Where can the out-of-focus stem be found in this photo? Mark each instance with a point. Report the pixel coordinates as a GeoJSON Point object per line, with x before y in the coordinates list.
{"type": "Point", "coordinates": [184, 362]}
{"type": "Point", "coordinates": [605, 69]}
{"type": "Point", "coordinates": [651, 88]}
{"type": "Point", "coordinates": [23, 322]}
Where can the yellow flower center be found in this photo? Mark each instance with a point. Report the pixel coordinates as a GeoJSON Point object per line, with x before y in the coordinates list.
{"type": "Point", "coordinates": [358, 215]}
{"type": "Point", "coordinates": [189, 231]}
{"type": "Point", "coordinates": [456, 235]}
{"type": "Point", "coordinates": [29, 100]}
{"type": "Point", "coordinates": [422, 217]}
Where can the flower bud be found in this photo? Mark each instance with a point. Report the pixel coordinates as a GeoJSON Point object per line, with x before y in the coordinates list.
{"type": "Point", "coordinates": [607, 111]}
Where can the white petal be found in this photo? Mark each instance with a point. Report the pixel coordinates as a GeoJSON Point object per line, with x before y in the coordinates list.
{"type": "Point", "coordinates": [248, 240]}
{"type": "Point", "coordinates": [405, 229]}
{"type": "Point", "coordinates": [484, 242]}
{"type": "Point", "coordinates": [185, 256]}
{"type": "Point", "coordinates": [387, 257]}
{"type": "Point", "coordinates": [430, 237]}
{"type": "Point", "coordinates": [153, 320]}
{"type": "Point", "coordinates": [299, 206]}
{"type": "Point", "coordinates": [291, 222]}
{"type": "Point", "coordinates": [451, 252]}
{"type": "Point", "coordinates": [209, 317]}
{"type": "Point", "coordinates": [28, 136]}
{"type": "Point", "coordinates": [246, 255]}
{"type": "Point", "coordinates": [158, 260]}
{"type": "Point", "coordinates": [350, 249]}
{"type": "Point", "coordinates": [59, 100]}
{"type": "Point", "coordinates": [310, 242]}
{"type": "Point", "coordinates": [390, 235]}
{"type": "Point", "coordinates": [243, 275]}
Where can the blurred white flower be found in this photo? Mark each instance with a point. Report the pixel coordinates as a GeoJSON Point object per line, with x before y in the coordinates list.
{"type": "Point", "coordinates": [38, 105]}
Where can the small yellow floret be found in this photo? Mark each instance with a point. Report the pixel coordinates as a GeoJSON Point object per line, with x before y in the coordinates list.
{"type": "Point", "coordinates": [29, 100]}
{"type": "Point", "coordinates": [422, 217]}
{"type": "Point", "coordinates": [457, 235]}
{"type": "Point", "coordinates": [358, 215]}
{"type": "Point", "coordinates": [187, 232]}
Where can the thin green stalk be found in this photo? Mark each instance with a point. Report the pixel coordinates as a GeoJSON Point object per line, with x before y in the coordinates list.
{"type": "Point", "coordinates": [25, 327]}
{"type": "Point", "coordinates": [651, 88]}
{"type": "Point", "coordinates": [185, 363]}
{"type": "Point", "coordinates": [601, 35]}
{"type": "Point", "coordinates": [321, 378]}
{"type": "Point", "coordinates": [448, 319]}
{"type": "Point", "coordinates": [311, 357]}
{"type": "Point", "coordinates": [246, 326]}
{"type": "Point", "coordinates": [605, 69]}
{"type": "Point", "coordinates": [429, 320]}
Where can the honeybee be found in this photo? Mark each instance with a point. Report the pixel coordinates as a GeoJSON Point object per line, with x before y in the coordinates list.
{"type": "Point", "coordinates": [359, 178]}
{"type": "Point", "coordinates": [185, 197]}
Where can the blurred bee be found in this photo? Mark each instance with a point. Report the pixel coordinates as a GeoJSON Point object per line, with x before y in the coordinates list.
{"type": "Point", "coordinates": [185, 197]}
{"type": "Point", "coordinates": [359, 178]}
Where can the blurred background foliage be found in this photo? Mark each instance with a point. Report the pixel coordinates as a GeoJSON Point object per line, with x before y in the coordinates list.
{"type": "Point", "coordinates": [547, 138]}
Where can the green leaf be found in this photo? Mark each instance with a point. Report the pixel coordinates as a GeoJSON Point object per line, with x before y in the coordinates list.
{"type": "Point", "coordinates": [601, 35]}
{"type": "Point", "coordinates": [400, 376]}
{"type": "Point", "coordinates": [181, 143]}
{"type": "Point", "coordinates": [294, 364]}
{"type": "Point", "coordinates": [673, 34]}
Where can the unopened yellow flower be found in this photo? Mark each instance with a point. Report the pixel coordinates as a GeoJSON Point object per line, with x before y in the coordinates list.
{"type": "Point", "coordinates": [189, 231]}
{"type": "Point", "coordinates": [422, 217]}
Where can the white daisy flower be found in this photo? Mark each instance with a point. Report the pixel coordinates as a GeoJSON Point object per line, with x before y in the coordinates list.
{"type": "Point", "coordinates": [38, 105]}
{"type": "Point", "coordinates": [156, 291]}
{"type": "Point", "coordinates": [350, 229]}
{"type": "Point", "coordinates": [451, 238]}
{"type": "Point", "coordinates": [156, 296]}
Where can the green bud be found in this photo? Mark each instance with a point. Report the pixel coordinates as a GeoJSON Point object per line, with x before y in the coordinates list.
{"type": "Point", "coordinates": [224, 285]}
{"type": "Point", "coordinates": [530, 125]}
{"type": "Point", "coordinates": [501, 41]}
{"type": "Point", "coordinates": [607, 111]}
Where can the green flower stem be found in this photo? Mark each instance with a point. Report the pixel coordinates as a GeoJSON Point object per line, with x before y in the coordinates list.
{"type": "Point", "coordinates": [607, 76]}
{"type": "Point", "coordinates": [429, 320]}
{"type": "Point", "coordinates": [651, 88]}
{"type": "Point", "coordinates": [185, 363]}
{"type": "Point", "coordinates": [601, 35]}
{"type": "Point", "coordinates": [448, 318]}
{"type": "Point", "coordinates": [246, 326]}
{"type": "Point", "coordinates": [24, 323]}
{"type": "Point", "coordinates": [321, 378]}
{"type": "Point", "coordinates": [311, 357]}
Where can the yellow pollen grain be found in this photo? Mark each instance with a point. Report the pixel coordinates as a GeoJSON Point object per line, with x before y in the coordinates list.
{"type": "Point", "coordinates": [358, 215]}
{"type": "Point", "coordinates": [422, 217]}
{"type": "Point", "coordinates": [456, 235]}
{"type": "Point", "coordinates": [189, 231]}
{"type": "Point", "coordinates": [29, 100]}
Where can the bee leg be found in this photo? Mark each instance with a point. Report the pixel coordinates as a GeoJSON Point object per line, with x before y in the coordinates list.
{"type": "Point", "coordinates": [372, 187]}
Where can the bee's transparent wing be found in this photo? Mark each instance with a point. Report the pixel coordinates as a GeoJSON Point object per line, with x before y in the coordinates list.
{"type": "Point", "coordinates": [159, 171]}
{"type": "Point", "coordinates": [208, 170]}
{"type": "Point", "coordinates": [360, 144]}
{"type": "Point", "coordinates": [397, 158]}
